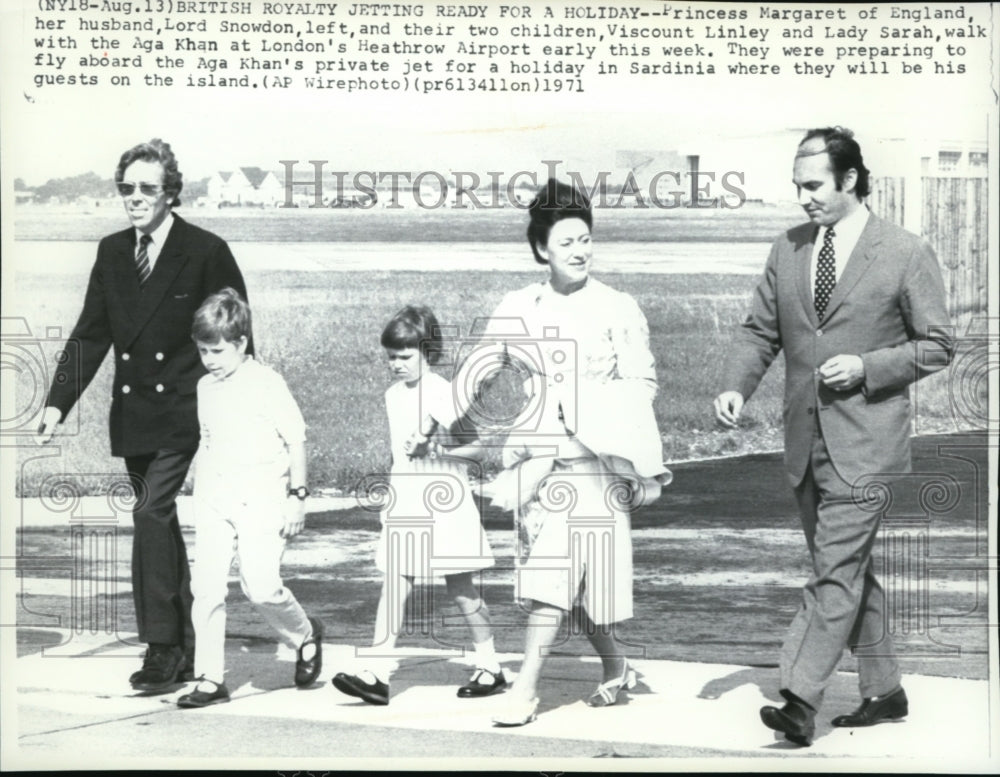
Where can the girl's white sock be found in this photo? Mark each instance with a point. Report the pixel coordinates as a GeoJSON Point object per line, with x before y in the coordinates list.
{"type": "Point", "coordinates": [486, 657]}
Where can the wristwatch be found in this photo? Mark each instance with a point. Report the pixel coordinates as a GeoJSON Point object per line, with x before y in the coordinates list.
{"type": "Point", "coordinates": [301, 492]}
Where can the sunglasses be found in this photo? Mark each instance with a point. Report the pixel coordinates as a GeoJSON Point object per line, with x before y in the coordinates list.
{"type": "Point", "coordinates": [146, 189]}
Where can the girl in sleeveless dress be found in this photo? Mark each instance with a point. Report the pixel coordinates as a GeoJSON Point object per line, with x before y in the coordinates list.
{"type": "Point", "coordinates": [431, 524]}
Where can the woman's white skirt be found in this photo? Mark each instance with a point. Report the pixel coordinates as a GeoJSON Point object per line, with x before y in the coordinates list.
{"type": "Point", "coordinates": [574, 542]}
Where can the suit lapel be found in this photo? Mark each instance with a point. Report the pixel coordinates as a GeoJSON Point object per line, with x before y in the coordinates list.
{"type": "Point", "coordinates": [857, 264]}
{"type": "Point", "coordinates": [173, 256]}
{"type": "Point", "coordinates": [803, 263]}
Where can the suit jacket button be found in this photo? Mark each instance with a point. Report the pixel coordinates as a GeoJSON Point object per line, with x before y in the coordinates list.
{"type": "Point", "coordinates": [125, 357]}
{"type": "Point", "coordinates": [126, 389]}
{"type": "Point", "coordinates": [159, 387]}
{"type": "Point", "coordinates": [159, 356]}
{"type": "Point", "coordinates": [819, 333]}
{"type": "Point", "coordinates": [809, 411]}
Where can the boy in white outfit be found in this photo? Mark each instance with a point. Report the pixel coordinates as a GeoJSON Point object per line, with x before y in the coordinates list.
{"type": "Point", "coordinates": [249, 487]}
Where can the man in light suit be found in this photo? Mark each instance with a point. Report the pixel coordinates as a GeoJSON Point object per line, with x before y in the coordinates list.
{"type": "Point", "coordinates": [858, 306]}
{"type": "Point", "coordinates": [144, 289]}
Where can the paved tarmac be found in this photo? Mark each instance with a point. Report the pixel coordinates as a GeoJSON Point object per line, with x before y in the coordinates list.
{"type": "Point", "coordinates": [67, 704]}
{"type": "Point", "coordinates": [74, 709]}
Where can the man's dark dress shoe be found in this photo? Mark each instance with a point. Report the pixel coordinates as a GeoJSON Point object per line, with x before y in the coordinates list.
{"type": "Point", "coordinates": [352, 685]}
{"type": "Point", "coordinates": [796, 720]}
{"type": "Point", "coordinates": [187, 674]}
{"type": "Point", "coordinates": [892, 706]}
{"type": "Point", "coordinates": [138, 672]}
{"type": "Point", "coordinates": [307, 670]}
{"type": "Point", "coordinates": [161, 668]}
{"type": "Point", "coordinates": [483, 683]}
{"type": "Point", "coordinates": [205, 694]}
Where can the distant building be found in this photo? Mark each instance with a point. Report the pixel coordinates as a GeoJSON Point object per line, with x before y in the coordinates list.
{"type": "Point", "coordinates": [246, 186]}
{"type": "Point", "coordinates": [955, 159]}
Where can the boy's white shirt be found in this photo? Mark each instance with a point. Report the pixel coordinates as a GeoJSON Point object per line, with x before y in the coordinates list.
{"type": "Point", "coordinates": [248, 420]}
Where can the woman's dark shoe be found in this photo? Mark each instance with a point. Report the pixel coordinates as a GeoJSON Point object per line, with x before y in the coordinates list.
{"type": "Point", "coordinates": [205, 694]}
{"type": "Point", "coordinates": [308, 669]}
{"type": "Point", "coordinates": [483, 683]}
{"type": "Point", "coordinates": [373, 693]}
{"type": "Point", "coordinates": [892, 706]}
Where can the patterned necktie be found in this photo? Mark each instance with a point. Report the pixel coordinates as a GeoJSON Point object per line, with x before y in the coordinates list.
{"type": "Point", "coordinates": [142, 267]}
{"type": "Point", "coordinates": [826, 277]}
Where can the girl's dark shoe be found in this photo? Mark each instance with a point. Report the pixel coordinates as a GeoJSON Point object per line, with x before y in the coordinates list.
{"type": "Point", "coordinates": [483, 683]}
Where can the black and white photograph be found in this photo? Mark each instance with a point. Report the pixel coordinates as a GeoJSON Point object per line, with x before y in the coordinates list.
{"type": "Point", "coordinates": [499, 386]}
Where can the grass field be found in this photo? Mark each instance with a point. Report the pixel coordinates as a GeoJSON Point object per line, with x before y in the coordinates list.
{"type": "Point", "coordinates": [753, 222]}
{"type": "Point", "coordinates": [321, 330]}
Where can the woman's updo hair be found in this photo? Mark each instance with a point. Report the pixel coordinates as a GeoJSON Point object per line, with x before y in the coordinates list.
{"type": "Point", "coordinates": [554, 202]}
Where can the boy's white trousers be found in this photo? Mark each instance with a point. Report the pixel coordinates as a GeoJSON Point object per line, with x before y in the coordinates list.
{"type": "Point", "coordinates": [251, 532]}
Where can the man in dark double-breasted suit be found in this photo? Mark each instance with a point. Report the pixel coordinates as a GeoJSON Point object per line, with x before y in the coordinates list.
{"type": "Point", "coordinates": [858, 307]}
{"type": "Point", "coordinates": [144, 289]}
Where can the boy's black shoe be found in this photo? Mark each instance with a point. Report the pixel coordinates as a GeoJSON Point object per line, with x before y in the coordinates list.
{"type": "Point", "coordinates": [205, 694]}
{"type": "Point", "coordinates": [307, 670]}
{"type": "Point", "coordinates": [352, 685]}
{"type": "Point", "coordinates": [161, 668]}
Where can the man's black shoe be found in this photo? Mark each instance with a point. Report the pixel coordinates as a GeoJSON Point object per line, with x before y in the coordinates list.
{"type": "Point", "coordinates": [352, 685]}
{"type": "Point", "coordinates": [161, 668]}
{"type": "Point", "coordinates": [796, 720]}
{"type": "Point", "coordinates": [136, 674]}
{"type": "Point", "coordinates": [187, 673]}
{"type": "Point", "coordinates": [308, 669]}
{"type": "Point", "coordinates": [892, 706]}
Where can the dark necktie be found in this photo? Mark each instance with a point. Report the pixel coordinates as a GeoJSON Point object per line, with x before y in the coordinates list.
{"type": "Point", "coordinates": [142, 267]}
{"type": "Point", "coordinates": [826, 276]}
